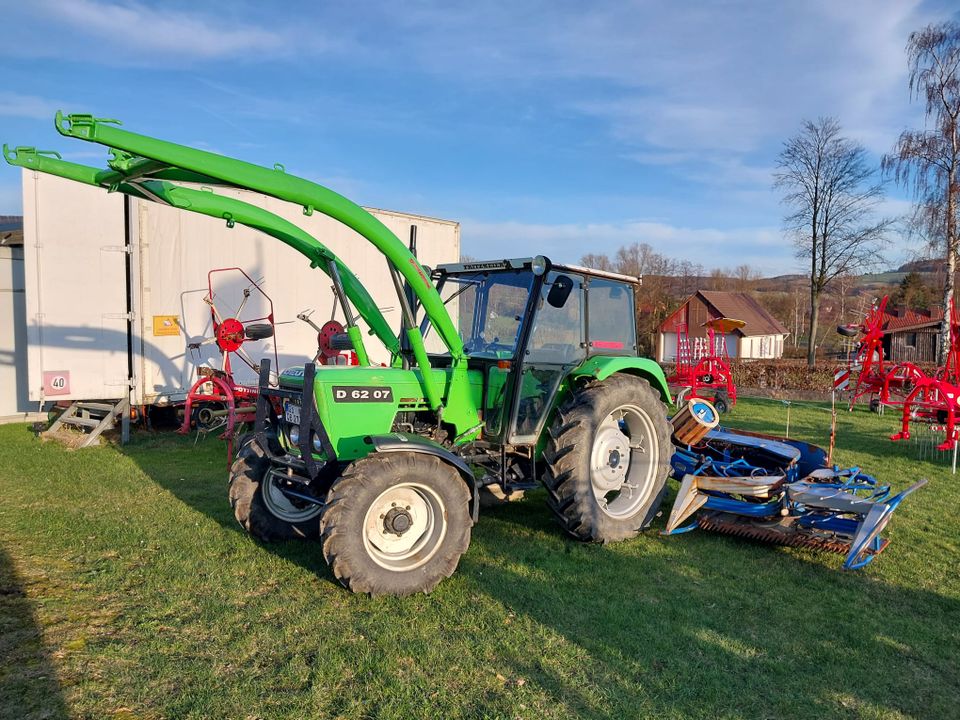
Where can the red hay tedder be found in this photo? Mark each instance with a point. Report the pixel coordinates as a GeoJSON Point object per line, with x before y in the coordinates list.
{"type": "Point", "coordinates": [216, 398]}
{"type": "Point", "coordinates": [923, 397]}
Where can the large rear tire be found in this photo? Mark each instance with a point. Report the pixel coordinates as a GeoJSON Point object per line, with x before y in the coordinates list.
{"type": "Point", "coordinates": [396, 523]}
{"type": "Point", "coordinates": [608, 458]}
{"type": "Point", "coordinates": [259, 505]}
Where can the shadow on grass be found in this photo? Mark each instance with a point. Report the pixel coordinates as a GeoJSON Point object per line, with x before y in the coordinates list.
{"type": "Point", "coordinates": [28, 680]}
{"type": "Point", "coordinates": [196, 474]}
{"type": "Point", "coordinates": [711, 626]}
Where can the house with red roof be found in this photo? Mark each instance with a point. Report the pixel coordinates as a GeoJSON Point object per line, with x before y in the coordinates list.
{"type": "Point", "coordinates": [761, 337]}
{"type": "Point", "coordinates": [911, 335]}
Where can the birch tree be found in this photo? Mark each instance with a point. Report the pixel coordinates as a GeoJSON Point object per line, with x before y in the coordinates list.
{"type": "Point", "coordinates": [928, 160]}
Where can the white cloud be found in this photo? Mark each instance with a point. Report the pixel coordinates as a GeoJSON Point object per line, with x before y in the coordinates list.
{"type": "Point", "coordinates": [718, 84]}
{"type": "Point", "coordinates": [106, 28]}
{"type": "Point", "coordinates": [765, 249]}
{"type": "Point", "coordinates": [27, 106]}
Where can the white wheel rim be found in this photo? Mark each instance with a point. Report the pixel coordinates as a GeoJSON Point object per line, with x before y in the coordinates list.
{"type": "Point", "coordinates": [624, 461]}
{"type": "Point", "coordinates": [404, 526]}
{"type": "Point", "coordinates": [282, 507]}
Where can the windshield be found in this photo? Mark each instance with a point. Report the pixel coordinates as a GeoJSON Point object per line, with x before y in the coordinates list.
{"type": "Point", "coordinates": [491, 307]}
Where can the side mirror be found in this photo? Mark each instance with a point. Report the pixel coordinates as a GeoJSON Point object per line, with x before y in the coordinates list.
{"type": "Point", "coordinates": [560, 291]}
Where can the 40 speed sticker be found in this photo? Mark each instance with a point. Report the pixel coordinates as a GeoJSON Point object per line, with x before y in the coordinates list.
{"type": "Point", "coordinates": [348, 393]}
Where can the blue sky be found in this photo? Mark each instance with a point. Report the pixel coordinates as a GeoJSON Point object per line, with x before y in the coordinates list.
{"type": "Point", "coordinates": [554, 127]}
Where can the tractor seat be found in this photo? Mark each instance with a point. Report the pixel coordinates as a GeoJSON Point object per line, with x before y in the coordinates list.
{"type": "Point", "coordinates": [828, 498]}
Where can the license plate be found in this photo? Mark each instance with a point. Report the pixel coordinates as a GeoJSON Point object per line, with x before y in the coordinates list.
{"type": "Point", "coordinates": [292, 413]}
{"type": "Point", "coordinates": [350, 393]}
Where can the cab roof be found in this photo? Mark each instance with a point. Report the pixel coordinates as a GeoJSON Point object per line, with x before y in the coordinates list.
{"type": "Point", "coordinates": [522, 263]}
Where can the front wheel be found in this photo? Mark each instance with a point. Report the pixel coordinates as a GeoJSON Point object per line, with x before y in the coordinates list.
{"type": "Point", "coordinates": [608, 457]}
{"type": "Point", "coordinates": [259, 504]}
{"type": "Point", "coordinates": [396, 523]}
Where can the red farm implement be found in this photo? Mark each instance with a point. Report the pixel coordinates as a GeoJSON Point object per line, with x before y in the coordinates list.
{"type": "Point", "coordinates": [923, 397]}
{"type": "Point", "coordinates": [866, 363]}
{"type": "Point", "coordinates": [216, 399]}
{"type": "Point", "coordinates": [935, 399]}
{"type": "Point", "coordinates": [703, 365]}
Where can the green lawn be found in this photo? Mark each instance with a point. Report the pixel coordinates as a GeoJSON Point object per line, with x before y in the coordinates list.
{"type": "Point", "coordinates": [128, 591]}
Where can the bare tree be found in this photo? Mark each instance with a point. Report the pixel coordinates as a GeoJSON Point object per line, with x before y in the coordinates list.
{"type": "Point", "coordinates": [597, 261]}
{"type": "Point", "coordinates": [831, 195]}
{"type": "Point", "coordinates": [929, 160]}
{"type": "Point", "coordinates": [844, 284]}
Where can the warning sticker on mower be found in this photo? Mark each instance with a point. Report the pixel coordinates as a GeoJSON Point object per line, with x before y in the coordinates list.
{"type": "Point", "coordinates": [346, 393]}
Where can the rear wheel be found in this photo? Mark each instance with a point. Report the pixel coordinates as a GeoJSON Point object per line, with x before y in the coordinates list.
{"type": "Point", "coordinates": [608, 457]}
{"type": "Point", "coordinates": [259, 504]}
{"type": "Point", "coordinates": [396, 523]}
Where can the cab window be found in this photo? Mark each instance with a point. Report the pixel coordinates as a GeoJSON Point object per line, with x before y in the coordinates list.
{"type": "Point", "coordinates": [611, 325]}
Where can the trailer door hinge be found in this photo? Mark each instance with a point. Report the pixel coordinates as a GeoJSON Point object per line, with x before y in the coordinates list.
{"type": "Point", "coordinates": [117, 248]}
{"type": "Point", "coordinates": [131, 316]}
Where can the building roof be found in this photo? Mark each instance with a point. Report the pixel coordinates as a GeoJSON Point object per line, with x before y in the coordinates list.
{"type": "Point", "coordinates": [11, 230]}
{"type": "Point", "coordinates": [743, 307]}
{"type": "Point", "coordinates": [900, 319]}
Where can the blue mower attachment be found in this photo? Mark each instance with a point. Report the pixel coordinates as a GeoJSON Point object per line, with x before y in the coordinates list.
{"type": "Point", "coordinates": [780, 491]}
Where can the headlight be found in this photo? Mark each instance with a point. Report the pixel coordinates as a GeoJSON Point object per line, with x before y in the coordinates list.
{"type": "Point", "coordinates": [294, 433]}
{"type": "Point", "coordinates": [538, 265]}
{"type": "Point", "coordinates": [317, 445]}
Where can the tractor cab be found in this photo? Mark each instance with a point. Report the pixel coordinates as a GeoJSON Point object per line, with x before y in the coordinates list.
{"type": "Point", "coordinates": [526, 324]}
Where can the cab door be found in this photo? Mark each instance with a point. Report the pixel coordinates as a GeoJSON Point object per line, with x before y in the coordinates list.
{"type": "Point", "coordinates": [555, 345]}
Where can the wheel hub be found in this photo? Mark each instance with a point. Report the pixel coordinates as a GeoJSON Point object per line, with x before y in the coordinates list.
{"type": "Point", "coordinates": [282, 506]}
{"type": "Point", "coordinates": [404, 526]}
{"type": "Point", "coordinates": [624, 461]}
{"type": "Point", "coordinates": [397, 521]}
{"type": "Point", "coordinates": [611, 458]}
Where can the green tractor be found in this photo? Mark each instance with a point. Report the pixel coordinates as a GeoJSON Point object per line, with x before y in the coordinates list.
{"type": "Point", "coordinates": [386, 466]}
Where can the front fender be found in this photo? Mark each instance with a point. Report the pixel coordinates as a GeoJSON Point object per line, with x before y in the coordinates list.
{"type": "Point", "coordinates": [601, 367]}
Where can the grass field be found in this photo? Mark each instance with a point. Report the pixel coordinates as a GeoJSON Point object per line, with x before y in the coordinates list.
{"type": "Point", "coordinates": [128, 591]}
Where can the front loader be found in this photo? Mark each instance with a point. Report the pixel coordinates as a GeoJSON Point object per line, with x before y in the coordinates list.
{"type": "Point", "coordinates": [385, 466]}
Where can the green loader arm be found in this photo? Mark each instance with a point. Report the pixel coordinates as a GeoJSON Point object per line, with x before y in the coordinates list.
{"type": "Point", "coordinates": [142, 165]}
{"type": "Point", "coordinates": [277, 183]}
{"type": "Point", "coordinates": [206, 202]}
{"type": "Point", "coordinates": [146, 157]}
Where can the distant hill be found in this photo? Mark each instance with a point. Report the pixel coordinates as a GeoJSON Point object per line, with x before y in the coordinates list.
{"type": "Point", "coordinates": [922, 266]}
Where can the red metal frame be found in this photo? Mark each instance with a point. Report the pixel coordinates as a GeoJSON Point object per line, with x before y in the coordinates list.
{"type": "Point", "coordinates": [710, 372]}
{"type": "Point", "coordinates": [868, 362]}
{"type": "Point", "coordinates": [923, 398]}
{"type": "Point", "coordinates": [219, 386]}
{"type": "Point", "coordinates": [935, 399]}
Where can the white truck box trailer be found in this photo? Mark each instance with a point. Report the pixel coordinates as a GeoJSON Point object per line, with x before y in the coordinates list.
{"type": "Point", "coordinates": [14, 399]}
{"type": "Point", "coordinates": [115, 287]}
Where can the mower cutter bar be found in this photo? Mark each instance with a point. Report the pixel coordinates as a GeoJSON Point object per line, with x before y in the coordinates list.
{"type": "Point", "coordinates": [776, 534]}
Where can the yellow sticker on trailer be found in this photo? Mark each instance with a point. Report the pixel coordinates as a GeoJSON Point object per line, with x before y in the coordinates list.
{"type": "Point", "coordinates": [166, 325]}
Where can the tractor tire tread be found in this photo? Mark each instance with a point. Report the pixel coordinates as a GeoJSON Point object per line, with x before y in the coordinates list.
{"type": "Point", "coordinates": [244, 489]}
{"type": "Point", "coordinates": [343, 549]}
{"type": "Point", "coordinates": [567, 457]}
